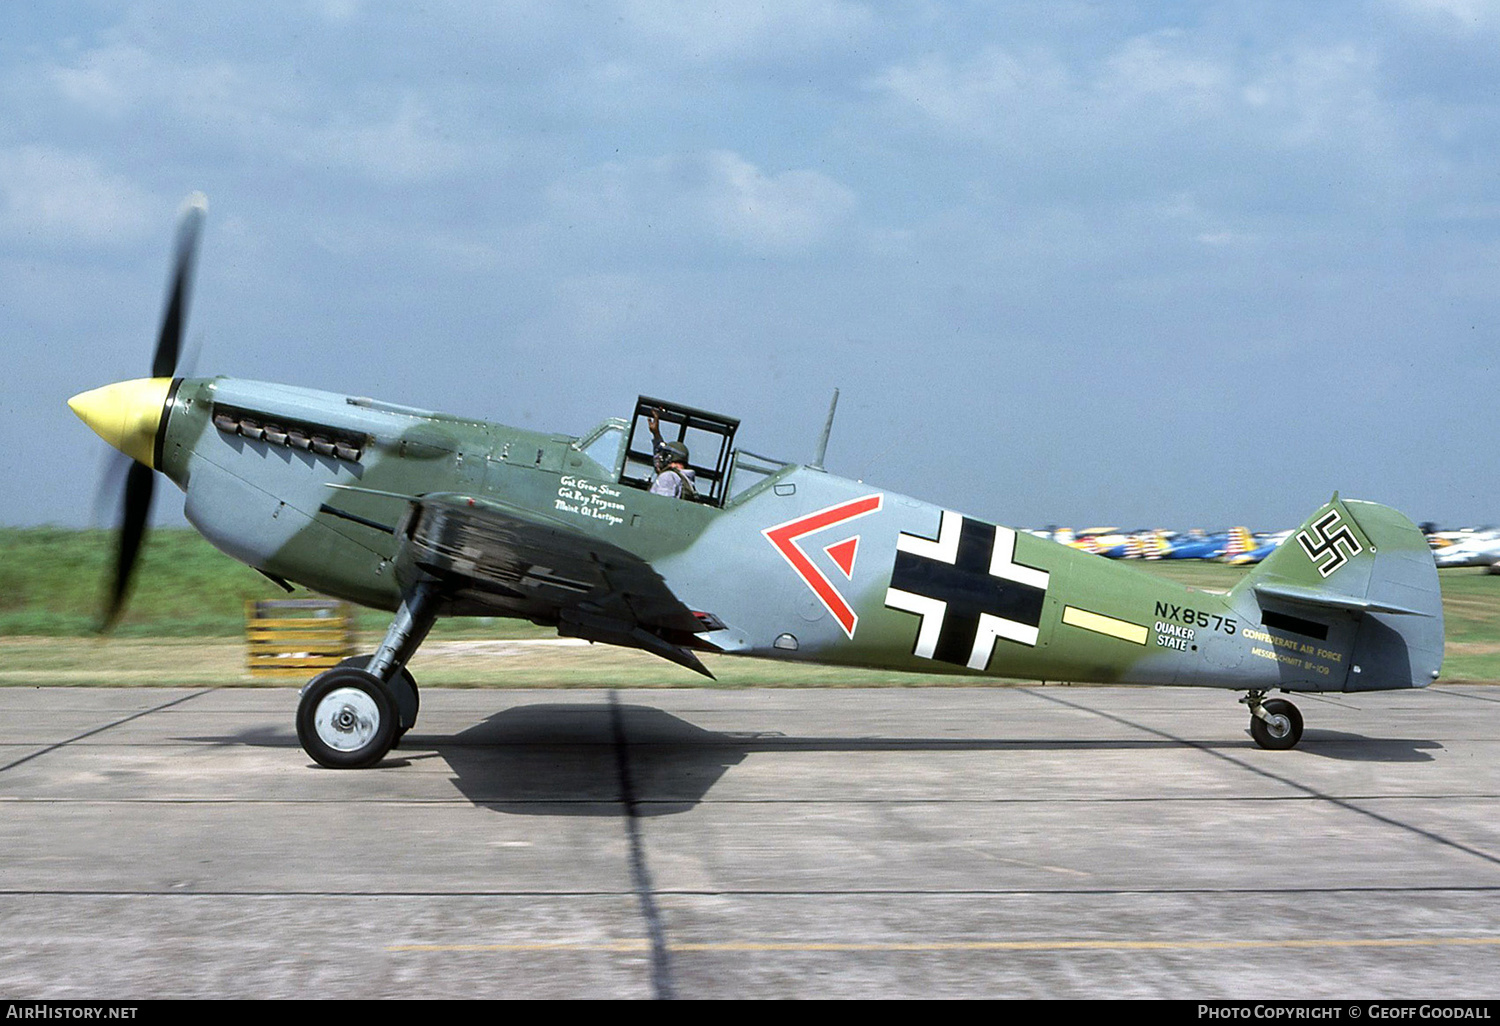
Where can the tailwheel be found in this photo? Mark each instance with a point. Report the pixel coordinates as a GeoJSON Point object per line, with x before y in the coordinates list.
{"type": "Point", "coordinates": [403, 688]}
{"type": "Point", "coordinates": [1275, 723]}
{"type": "Point", "coordinates": [346, 719]}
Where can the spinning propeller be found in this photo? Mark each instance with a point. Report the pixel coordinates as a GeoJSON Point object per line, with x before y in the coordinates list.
{"type": "Point", "coordinates": [128, 414]}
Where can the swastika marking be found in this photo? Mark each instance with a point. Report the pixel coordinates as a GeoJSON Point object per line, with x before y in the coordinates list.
{"type": "Point", "coordinates": [1334, 544]}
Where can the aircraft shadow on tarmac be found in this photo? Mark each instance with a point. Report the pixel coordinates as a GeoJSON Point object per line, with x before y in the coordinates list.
{"type": "Point", "coordinates": [1342, 746]}
{"type": "Point", "coordinates": [568, 758]}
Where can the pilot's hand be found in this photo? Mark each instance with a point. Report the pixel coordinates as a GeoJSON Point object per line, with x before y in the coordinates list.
{"type": "Point", "coordinates": [655, 423]}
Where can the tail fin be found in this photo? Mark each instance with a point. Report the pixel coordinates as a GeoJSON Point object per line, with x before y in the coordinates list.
{"type": "Point", "coordinates": [1357, 581]}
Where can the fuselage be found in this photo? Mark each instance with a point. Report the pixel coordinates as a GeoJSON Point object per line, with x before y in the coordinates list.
{"type": "Point", "coordinates": [316, 488]}
{"type": "Point", "coordinates": [429, 515]}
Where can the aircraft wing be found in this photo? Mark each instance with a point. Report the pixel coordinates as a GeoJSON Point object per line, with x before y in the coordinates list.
{"type": "Point", "coordinates": [520, 562]}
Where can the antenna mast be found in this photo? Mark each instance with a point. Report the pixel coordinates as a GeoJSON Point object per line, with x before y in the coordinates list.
{"type": "Point", "coordinates": [817, 464]}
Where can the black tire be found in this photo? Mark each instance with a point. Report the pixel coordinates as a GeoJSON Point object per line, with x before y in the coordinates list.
{"type": "Point", "coordinates": [346, 719]}
{"type": "Point", "coordinates": [403, 688]}
{"type": "Point", "coordinates": [1283, 732]}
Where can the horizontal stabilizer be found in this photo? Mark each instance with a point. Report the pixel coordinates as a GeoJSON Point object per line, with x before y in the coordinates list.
{"type": "Point", "coordinates": [1330, 600]}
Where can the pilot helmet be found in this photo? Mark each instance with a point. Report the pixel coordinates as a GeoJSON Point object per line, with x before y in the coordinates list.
{"type": "Point", "coordinates": [668, 453]}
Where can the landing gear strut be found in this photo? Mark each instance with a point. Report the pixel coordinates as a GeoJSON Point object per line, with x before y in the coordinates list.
{"type": "Point", "coordinates": [349, 717]}
{"type": "Point", "coordinates": [1275, 723]}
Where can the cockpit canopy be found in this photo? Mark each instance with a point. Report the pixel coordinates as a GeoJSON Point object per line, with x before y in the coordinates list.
{"type": "Point", "coordinates": [622, 451]}
{"type": "Point", "coordinates": [709, 438]}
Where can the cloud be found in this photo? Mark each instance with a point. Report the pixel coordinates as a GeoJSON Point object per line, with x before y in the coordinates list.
{"type": "Point", "coordinates": [745, 28]}
{"type": "Point", "coordinates": [1165, 69]}
{"type": "Point", "coordinates": [56, 197]}
{"type": "Point", "coordinates": [337, 12]}
{"type": "Point", "coordinates": [717, 196]}
{"type": "Point", "coordinates": [598, 309]}
{"type": "Point", "coordinates": [1464, 17]}
{"type": "Point", "coordinates": [405, 147]}
{"type": "Point", "coordinates": [1313, 122]}
{"type": "Point", "coordinates": [1313, 94]}
{"type": "Point", "coordinates": [979, 97]}
{"type": "Point", "coordinates": [251, 108]}
{"type": "Point", "coordinates": [120, 79]}
{"type": "Point", "coordinates": [783, 212]}
{"type": "Point", "coordinates": [1144, 88]}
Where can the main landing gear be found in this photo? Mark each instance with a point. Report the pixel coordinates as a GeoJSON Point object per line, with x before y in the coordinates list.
{"type": "Point", "coordinates": [349, 717]}
{"type": "Point", "coordinates": [1275, 723]}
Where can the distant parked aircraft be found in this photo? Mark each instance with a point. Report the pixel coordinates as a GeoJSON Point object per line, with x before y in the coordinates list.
{"type": "Point", "coordinates": [1480, 548]}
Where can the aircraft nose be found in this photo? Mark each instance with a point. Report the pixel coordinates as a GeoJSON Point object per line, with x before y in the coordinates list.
{"type": "Point", "coordinates": [127, 414]}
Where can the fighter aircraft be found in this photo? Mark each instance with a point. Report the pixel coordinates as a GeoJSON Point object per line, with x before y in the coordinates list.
{"type": "Point", "coordinates": [427, 514]}
{"type": "Point", "coordinates": [1198, 544]}
{"type": "Point", "coordinates": [1478, 548]}
{"type": "Point", "coordinates": [1258, 548]}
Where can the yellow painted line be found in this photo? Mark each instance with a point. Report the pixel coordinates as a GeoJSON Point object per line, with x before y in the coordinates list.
{"type": "Point", "coordinates": [624, 945]}
{"type": "Point", "coordinates": [1100, 624]}
{"type": "Point", "coordinates": [942, 946]}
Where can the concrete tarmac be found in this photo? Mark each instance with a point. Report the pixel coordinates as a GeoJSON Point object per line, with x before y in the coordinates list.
{"type": "Point", "coordinates": [1049, 842]}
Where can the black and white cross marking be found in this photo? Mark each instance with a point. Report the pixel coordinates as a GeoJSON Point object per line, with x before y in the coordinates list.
{"type": "Point", "coordinates": [1339, 541]}
{"type": "Point", "coordinates": [968, 589]}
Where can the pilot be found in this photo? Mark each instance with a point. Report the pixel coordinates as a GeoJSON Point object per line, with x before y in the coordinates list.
{"type": "Point", "coordinates": [670, 460]}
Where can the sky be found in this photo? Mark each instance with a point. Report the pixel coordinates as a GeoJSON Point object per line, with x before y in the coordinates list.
{"type": "Point", "coordinates": [1137, 264]}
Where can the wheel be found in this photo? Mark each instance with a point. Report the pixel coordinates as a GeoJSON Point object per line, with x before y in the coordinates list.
{"type": "Point", "coordinates": [346, 719]}
{"type": "Point", "coordinates": [1284, 728]}
{"type": "Point", "coordinates": [404, 688]}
